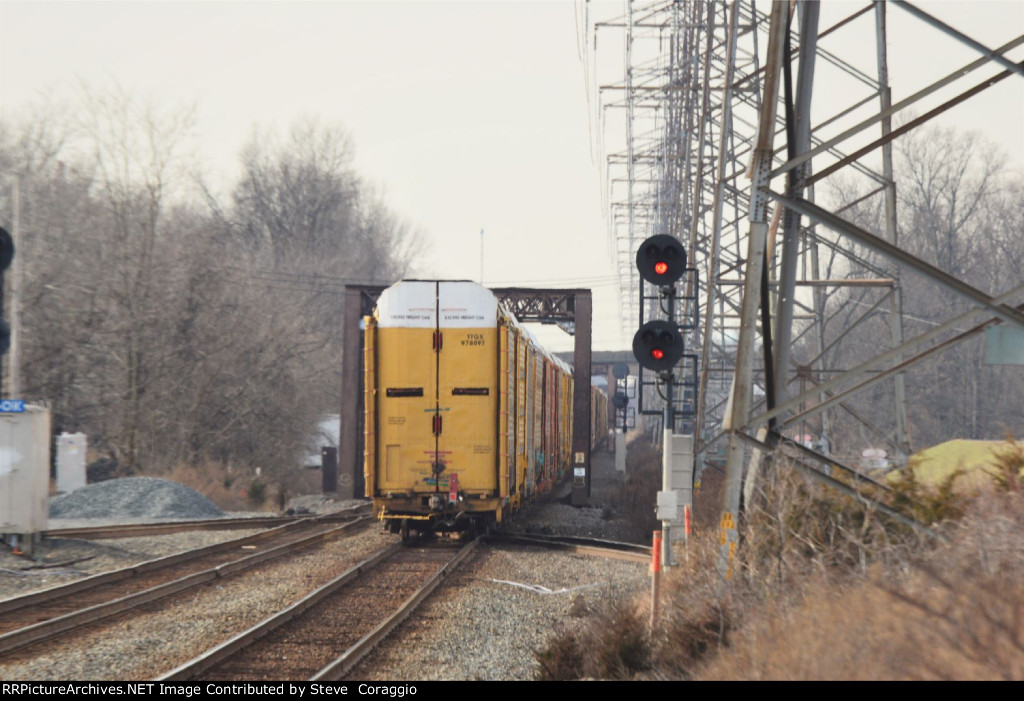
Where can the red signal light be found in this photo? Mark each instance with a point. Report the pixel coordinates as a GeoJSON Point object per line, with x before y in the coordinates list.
{"type": "Point", "coordinates": [658, 345]}
{"type": "Point", "coordinates": [661, 260]}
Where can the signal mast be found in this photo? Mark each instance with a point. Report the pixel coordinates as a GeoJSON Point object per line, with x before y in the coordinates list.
{"type": "Point", "coordinates": [658, 346]}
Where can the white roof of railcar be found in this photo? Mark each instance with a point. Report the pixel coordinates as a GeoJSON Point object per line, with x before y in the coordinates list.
{"type": "Point", "coordinates": [466, 304]}
{"type": "Point", "coordinates": [413, 304]}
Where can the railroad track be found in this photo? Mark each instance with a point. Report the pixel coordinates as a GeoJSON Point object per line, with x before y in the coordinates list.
{"type": "Point", "coordinates": [585, 546]}
{"type": "Point", "coordinates": [135, 530]}
{"type": "Point", "coordinates": [325, 634]}
{"type": "Point", "coordinates": [40, 616]}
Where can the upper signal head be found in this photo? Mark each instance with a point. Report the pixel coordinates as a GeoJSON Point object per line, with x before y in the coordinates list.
{"type": "Point", "coordinates": [661, 260]}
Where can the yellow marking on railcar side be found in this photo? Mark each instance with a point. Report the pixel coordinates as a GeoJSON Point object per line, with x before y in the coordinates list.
{"type": "Point", "coordinates": [503, 490]}
{"type": "Point", "coordinates": [406, 364]}
{"type": "Point", "coordinates": [469, 361]}
{"type": "Point", "coordinates": [369, 406]}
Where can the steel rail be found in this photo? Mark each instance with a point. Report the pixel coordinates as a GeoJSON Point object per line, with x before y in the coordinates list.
{"type": "Point", "coordinates": [135, 530]}
{"type": "Point", "coordinates": [196, 666]}
{"type": "Point", "coordinates": [584, 546]}
{"type": "Point", "coordinates": [125, 573]}
{"type": "Point", "coordinates": [44, 630]}
{"type": "Point", "coordinates": [352, 656]}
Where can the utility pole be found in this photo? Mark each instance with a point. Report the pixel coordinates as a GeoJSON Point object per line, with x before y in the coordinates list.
{"type": "Point", "coordinates": [16, 286]}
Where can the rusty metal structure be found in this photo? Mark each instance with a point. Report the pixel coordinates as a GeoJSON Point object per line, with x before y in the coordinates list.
{"type": "Point", "coordinates": [709, 133]}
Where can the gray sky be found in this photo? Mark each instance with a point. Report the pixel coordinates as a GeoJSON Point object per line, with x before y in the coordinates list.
{"type": "Point", "coordinates": [471, 115]}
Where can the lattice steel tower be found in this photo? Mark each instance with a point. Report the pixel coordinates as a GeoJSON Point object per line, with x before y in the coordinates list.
{"type": "Point", "coordinates": [709, 135]}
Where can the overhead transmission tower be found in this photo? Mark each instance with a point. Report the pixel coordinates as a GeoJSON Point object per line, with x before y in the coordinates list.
{"type": "Point", "coordinates": [708, 135]}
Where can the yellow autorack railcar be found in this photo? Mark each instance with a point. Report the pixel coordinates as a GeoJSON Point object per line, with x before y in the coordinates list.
{"type": "Point", "coordinates": [467, 417]}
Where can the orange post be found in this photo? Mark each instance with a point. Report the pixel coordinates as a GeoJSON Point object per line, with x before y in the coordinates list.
{"type": "Point", "coordinates": [656, 553]}
{"type": "Point", "coordinates": [656, 576]}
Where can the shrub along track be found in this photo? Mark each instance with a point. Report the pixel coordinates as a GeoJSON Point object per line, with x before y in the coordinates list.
{"type": "Point", "coordinates": [326, 633]}
{"type": "Point", "coordinates": [41, 616]}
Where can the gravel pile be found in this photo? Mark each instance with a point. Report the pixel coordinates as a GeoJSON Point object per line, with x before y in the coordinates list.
{"type": "Point", "coordinates": [134, 498]}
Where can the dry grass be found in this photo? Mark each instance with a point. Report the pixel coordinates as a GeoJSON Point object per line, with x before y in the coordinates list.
{"type": "Point", "coordinates": [227, 490]}
{"type": "Point", "coordinates": [614, 645]}
{"type": "Point", "coordinates": [635, 501]}
{"type": "Point", "coordinates": [830, 590]}
{"type": "Point", "coordinates": [241, 490]}
{"type": "Point", "coordinates": [1007, 469]}
{"type": "Point", "coordinates": [707, 500]}
{"type": "Point", "coordinates": [696, 623]}
{"type": "Point", "coordinates": [954, 612]}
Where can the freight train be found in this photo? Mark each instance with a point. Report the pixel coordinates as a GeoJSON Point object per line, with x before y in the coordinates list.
{"type": "Point", "coordinates": [467, 418]}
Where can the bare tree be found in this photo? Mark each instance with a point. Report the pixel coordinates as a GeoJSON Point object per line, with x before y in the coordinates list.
{"type": "Point", "coordinates": [137, 157]}
{"type": "Point", "coordinates": [173, 334]}
{"type": "Point", "coordinates": [310, 225]}
{"type": "Point", "coordinates": [959, 209]}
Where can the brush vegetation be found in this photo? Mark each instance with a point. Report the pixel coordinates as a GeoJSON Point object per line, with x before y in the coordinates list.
{"type": "Point", "coordinates": [829, 588]}
{"type": "Point", "coordinates": [970, 461]}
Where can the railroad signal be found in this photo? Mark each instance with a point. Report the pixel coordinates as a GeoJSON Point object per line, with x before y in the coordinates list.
{"type": "Point", "coordinates": [658, 345]}
{"type": "Point", "coordinates": [6, 255]}
{"type": "Point", "coordinates": [6, 249]}
{"type": "Point", "coordinates": [661, 260]}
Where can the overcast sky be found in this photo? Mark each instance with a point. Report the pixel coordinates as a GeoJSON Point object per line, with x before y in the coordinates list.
{"type": "Point", "coordinates": [471, 115]}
